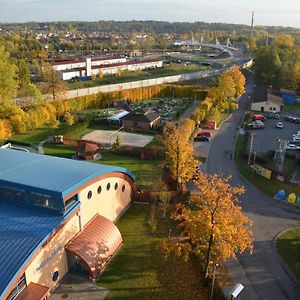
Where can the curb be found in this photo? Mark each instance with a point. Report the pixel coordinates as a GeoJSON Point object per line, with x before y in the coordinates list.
{"type": "Point", "coordinates": [281, 260]}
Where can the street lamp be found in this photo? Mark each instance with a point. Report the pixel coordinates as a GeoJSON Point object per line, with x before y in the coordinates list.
{"type": "Point", "coordinates": [213, 281]}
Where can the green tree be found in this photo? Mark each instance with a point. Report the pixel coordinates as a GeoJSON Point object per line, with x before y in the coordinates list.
{"type": "Point", "coordinates": [116, 146]}
{"type": "Point", "coordinates": [8, 78]}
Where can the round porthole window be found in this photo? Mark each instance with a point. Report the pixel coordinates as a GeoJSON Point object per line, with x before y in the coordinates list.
{"type": "Point", "coordinates": [116, 186]}
{"type": "Point", "coordinates": [123, 188]}
{"type": "Point", "coordinates": [108, 186]}
{"type": "Point", "coordinates": [55, 276]}
{"type": "Point", "coordinates": [90, 194]}
{"type": "Point", "coordinates": [99, 189]}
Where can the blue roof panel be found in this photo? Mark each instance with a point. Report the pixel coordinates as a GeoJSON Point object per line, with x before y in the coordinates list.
{"type": "Point", "coordinates": [22, 231]}
{"type": "Point", "coordinates": [50, 173]}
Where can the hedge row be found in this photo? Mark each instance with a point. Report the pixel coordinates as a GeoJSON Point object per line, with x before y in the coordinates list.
{"type": "Point", "coordinates": [47, 114]}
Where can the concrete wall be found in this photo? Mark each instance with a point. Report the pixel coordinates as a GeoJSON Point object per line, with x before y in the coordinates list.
{"type": "Point", "coordinates": [136, 84]}
{"type": "Point", "coordinates": [52, 256]}
{"type": "Point", "coordinates": [108, 203]}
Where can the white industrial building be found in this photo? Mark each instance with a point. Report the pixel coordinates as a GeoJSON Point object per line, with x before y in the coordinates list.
{"type": "Point", "coordinates": [108, 66]}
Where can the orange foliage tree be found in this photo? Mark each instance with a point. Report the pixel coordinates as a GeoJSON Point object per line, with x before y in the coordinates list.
{"type": "Point", "coordinates": [179, 154]}
{"type": "Point", "coordinates": [212, 225]}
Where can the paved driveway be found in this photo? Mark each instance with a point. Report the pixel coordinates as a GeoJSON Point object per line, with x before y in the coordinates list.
{"type": "Point", "coordinates": [262, 273]}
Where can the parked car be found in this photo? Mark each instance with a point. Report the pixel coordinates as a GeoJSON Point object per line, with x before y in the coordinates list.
{"type": "Point", "coordinates": [201, 138]}
{"type": "Point", "coordinates": [296, 139]}
{"type": "Point", "coordinates": [205, 133]}
{"type": "Point", "coordinates": [258, 118]}
{"type": "Point", "coordinates": [292, 147]}
{"type": "Point", "coordinates": [272, 115]}
{"type": "Point", "coordinates": [289, 118]}
{"type": "Point", "coordinates": [279, 125]}
{"type": "Point", "coordinates": [258, 124]}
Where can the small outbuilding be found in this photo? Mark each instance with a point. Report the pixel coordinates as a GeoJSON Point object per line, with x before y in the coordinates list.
{"type": "Point", "coordinates": [140, 120]}
{"type": "Point", "coordinates": [265, 100]}
{"type": "Point", "coordinates": [88, 150]}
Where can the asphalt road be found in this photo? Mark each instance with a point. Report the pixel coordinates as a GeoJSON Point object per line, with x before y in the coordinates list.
{"type": "Point", "coordinates": [264, 274]}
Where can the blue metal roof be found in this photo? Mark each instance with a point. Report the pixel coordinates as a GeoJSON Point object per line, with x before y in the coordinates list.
{"type": "Point", "coordinates": [48, 173]}
{"type": "Point", "coordinates": [22, 232]}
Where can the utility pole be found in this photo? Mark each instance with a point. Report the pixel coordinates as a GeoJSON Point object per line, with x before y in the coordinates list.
{"type": "Point", "coordinates": [252, 21]}
{"type": "Point", "coordinates": [250, 150]}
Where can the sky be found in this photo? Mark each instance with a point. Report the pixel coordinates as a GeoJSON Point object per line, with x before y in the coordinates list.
{"type": "Point", "coordinates": [267, 12]}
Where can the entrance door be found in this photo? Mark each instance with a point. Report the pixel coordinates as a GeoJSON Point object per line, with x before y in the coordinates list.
{"type": "Point", "coordinates": [76, 266]}
{"type": "Point", "coordinates": [262, 109]}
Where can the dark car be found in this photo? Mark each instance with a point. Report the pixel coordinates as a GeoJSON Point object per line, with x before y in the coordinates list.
{"type": "Point", "coordinates": [204, 133]}
{"type": "Point", "coordinates": [201, 138]}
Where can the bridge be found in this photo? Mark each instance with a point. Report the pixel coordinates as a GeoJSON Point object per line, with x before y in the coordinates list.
{"type": "Point", "coordinates": [197, 45]}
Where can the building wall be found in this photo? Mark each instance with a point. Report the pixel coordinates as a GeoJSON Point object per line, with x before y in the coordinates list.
{"type": "Point", "coordinates": [52, 256]}
{"type": "Point", "coordinates": [267, 107]}
{"type": "Point", "coordinates": [108, 203]}
{"type": "Point", "coordinates": [135, 125]}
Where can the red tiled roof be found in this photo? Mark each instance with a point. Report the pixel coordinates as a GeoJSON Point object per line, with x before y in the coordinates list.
{"type": "Point", "coordinates": [33, 292]}
{"type": "Point", "coordinates": [87, 147]}
{"type": "Point", "coordinates": [96, 244]}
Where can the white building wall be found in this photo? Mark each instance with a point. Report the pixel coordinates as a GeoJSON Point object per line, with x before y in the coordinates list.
{"type": "Point", "coordinates": [108, 203]}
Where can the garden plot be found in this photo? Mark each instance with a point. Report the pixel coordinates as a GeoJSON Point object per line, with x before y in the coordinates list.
{"type": "Point", "coordinates": [107, 138]}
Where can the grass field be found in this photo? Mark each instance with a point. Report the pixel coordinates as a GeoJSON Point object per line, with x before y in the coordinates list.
{"type": "Point", "coordinates": [288, 246]}
{"type": "Point", "coordinates": [144, 170]}
{"type": "Point", "coordinates": [169, 70]}
{"type": "Point", "coordinates": [139, 270]}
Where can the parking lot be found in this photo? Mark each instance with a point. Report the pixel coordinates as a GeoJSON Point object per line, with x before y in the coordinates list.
{"type": "Point", "coordinates": [265, 139]}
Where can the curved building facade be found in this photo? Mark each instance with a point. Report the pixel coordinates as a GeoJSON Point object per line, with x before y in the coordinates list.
{"type": "Point", "coordinates": [56, 215]}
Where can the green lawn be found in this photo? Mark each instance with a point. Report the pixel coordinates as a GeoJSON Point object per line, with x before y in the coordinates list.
{"type": "Point", "coordinates": [144, 170]}
{"type": "Point", "coordinates": [33, 137]}
{"type": "Point", "coordinates": [288, 246]}
{"type": "Point", "coordinates": [139, 271]}
{"type": "Point", "coordinates": [59, 150]}
{"type": "Point", "coordinates": [167, 70]}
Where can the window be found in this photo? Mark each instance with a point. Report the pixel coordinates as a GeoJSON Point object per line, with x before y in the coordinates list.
{"type": "Point", "coordinates": [99, 190]}
{"type": "Point", "coordinates": [55, 276]}
{"type": "Point", "coordinates": [9, 193]}
{"type": "Point", "coordinates": [108, 186]}
{"type": "Point", "coordinates": [42, 200]}
{"type": "Point", "coordinates": [90, 194]}
{"type": "Point", "coordinates": [116, 186]}
{"type": "Point", "coordinates": [123, 188]}
{"type": "Point", "coordinates": [20, 286]}
{"type": "Point", "coordinates": [70, 201]}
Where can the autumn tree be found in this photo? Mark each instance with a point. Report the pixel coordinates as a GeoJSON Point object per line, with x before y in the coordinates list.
{"type": "Point", "coordinates": [212, 225]}
{"type": "Point", "coordinates": [179, 156]}
{"type": "Point", "coordinates": [69, 118]}
{"type": "Point", "coordinates": [238, 79]}
{"type": "Point", "coordinates": [53, 84]}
